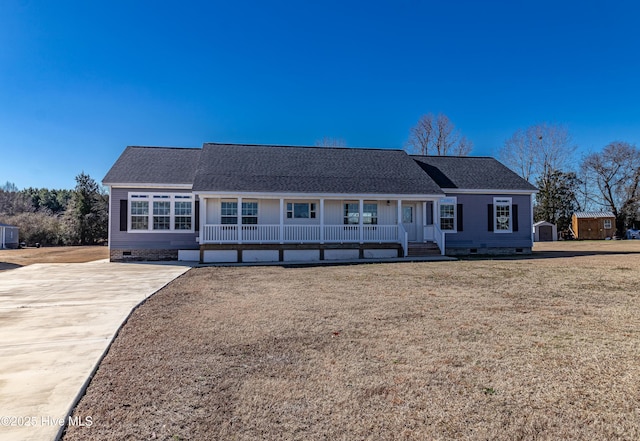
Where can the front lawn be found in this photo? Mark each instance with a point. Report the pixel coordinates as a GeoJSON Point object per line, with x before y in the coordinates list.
{"type": "Point", "coordinates": [477, 349]}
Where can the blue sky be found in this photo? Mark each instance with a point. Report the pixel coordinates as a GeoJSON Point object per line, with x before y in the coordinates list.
{"type": "Point", "coordinates": [80, 80]}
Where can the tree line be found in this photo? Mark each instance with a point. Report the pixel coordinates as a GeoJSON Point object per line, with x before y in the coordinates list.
{"type": "Point", "coordinates": [57, 217]}
{"type": "Point", "coordinates": [545, 155]}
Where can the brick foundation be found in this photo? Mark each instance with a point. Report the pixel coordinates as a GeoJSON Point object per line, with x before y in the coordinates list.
{"type": "Point", "coordinates": [142, 255]}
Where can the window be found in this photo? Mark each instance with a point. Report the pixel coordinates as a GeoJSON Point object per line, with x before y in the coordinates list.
{"type": "Point", "coordinates": [502, 215]}
{"type": "Point", "coordinates": [139, 213]}
{"type": "Point", "coordinates": [370, 214]}
{"type": "Point", "coordinates": [160, 212]}
{"type": "Point", "coordinates": [447, 216]}
{"type": "Point", "coordinates": [607, 224]}
{"type": "Point", "coordinates": [229, 213]}
{"type": "Point", "coordinates": [182, 215]}
{"type": "Point", "coordinates": [352, 213]}
{"type": "Point", "coordinates": [301, 210]}
{"type": "Point", "coordinates": [407, 215]}
{"type": "Point", "coordinates": [249, 213]}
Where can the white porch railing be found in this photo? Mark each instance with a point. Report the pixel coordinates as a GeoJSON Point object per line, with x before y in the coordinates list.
{"type": "Point", "coordinates": [380, 233]}
{"type": "Point", "coordinates": [220, 233]}
{"type": "Point", "coordinates": [439, 238]}
{"type": "Point", "coordinates": [299, 233]}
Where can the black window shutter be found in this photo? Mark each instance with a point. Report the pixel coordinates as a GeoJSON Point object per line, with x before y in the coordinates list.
{"type": "Point", "coordinates": [196, 213]}
{"type": "Point", "coordinates": [460, 221]}
{"type": "Point", "coordinates": [124, 214]}
{"type": "Point", "coordinates": [514, 209]}
{"type": "Point", "coordinates": [490, 216]}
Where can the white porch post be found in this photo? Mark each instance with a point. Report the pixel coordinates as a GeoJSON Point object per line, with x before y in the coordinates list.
{"type": "Point", "coordinates": [424, 219]}
{"type": "Point", "coordinates": [281, 220]}
{"type": "Point", "coordinates": [399, 211]}
{"type": "Point", "coordinates": [360, 215]}
{"type": "Point", "coordinates": [203, 218]}
{"type": "Point", "coordinates": [239, 220]}
{"type": "Point", "coordinates": [321, 220]}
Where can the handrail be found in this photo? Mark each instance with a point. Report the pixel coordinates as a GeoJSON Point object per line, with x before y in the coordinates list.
{"type": "Point", "coordinates": [439, 237]}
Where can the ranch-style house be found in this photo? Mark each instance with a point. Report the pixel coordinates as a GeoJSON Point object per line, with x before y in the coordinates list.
{"type": "Point", "coordinates": [259, 203]}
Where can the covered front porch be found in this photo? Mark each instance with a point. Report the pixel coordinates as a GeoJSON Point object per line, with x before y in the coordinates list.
{"type": "Point", "coordinates": [336, 222]}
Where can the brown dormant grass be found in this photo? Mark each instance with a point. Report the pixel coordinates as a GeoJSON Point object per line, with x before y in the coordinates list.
{"type": "Point", "coordinates": [475, 349]}
{"type": "Point", "coordinates": [28, 256]}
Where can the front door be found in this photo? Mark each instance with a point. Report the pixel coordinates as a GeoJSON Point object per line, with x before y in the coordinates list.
{"type": "Point", "coordinates": [409, 220]}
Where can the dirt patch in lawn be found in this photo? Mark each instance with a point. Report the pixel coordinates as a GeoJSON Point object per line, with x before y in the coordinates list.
{"type": "Point", "coordinates": [10, 259]}
{"type": "Point", "coordinates": [475, 349]}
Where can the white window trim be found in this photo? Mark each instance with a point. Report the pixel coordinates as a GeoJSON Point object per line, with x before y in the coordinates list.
{"type": "Point", "coordinates": [449, 201]}
{"type": "Point", "coordinates": [608, 222]}
{"type": "Point", "coordinates": [173, 198]}
{"type": "Point", "coordinates": [502, 201]}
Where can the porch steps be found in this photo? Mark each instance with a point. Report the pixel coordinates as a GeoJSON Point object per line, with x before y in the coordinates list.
{"type": "Point", "coordinates": [423, 249]}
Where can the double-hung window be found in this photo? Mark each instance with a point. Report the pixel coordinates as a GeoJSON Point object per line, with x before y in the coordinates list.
{"type": "Point", "coordinates": [448, 214]}
{"type": "Point", "coordinates": [301, 210]}
{"type": "Point", "coordinates": [183, 210]}
{"type": "Point", "coordinates": [139, 212]}
{"type": "Point", "coordinates": [370, 214]}
{"type": "Point", "coordinates": [352, 213]}
{"type": "Point", "coordinates": [503, 222]}
{"type": "Point", "coordinates": [160, 212]}
{"type": "Point", "coordinates": [229, 213]}
{"type": "Point", "coordinates": [249, 213]}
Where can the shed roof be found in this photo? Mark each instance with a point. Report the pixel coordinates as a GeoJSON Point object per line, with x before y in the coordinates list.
{"type": "Point", "coordinates": [593, 214]}
{"type": "Point", "coordinates": [261, 168]}
{"type": "Point", "coordinates": [154, 165]}
{"type": "Point", "coordinates": [471, 173]}
{"type": "Point", "coordinates": [543, 223]}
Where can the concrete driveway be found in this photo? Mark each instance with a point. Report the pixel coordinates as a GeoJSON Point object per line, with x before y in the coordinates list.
{"type": "Point", "coordinates": [56, 321]}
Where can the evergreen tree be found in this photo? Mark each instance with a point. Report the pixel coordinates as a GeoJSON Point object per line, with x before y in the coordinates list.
{"type": "Point", "coordinates": [87, 212]}
{"type": "Point", "coordinates": [557, 199]}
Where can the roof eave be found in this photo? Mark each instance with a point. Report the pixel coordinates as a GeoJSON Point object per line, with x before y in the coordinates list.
{"type": "Point", "coordinates": [148, 185]}
{"type": "Point", "coordinates": [489, 191]}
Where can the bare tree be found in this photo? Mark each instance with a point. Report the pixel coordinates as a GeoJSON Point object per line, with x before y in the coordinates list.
{"type": "Point", "coordinates": [538, 151]}
{"type": "Point", "coordinates": [614, 175]}
{"type": "Point", "coordinates": [437, 135]}
{"type": "Point", "coordinates": [327, 141]}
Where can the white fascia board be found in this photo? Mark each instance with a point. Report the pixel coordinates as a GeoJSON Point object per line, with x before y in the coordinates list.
{"type": "Point", "coordinates": [488, 191]}
{"type": "Point", "coordinates": [338, 196]}
{"type": "Point", "coordinates": [156, 185]}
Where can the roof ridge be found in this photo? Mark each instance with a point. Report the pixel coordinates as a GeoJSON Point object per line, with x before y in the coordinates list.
{"type": "Point", "coordinates": [163, 147]}
{"type": "Point", "coordinates": [389, 149]}
{"type": "Point", "coordinates": [453, 156]}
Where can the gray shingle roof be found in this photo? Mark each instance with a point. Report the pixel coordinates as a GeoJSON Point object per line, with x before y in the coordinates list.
{"type": "Point", "coordinates": [471, 173]}
{"type": "Point", "coordinates": [258, 168]}
{"type": "Point", "coordinates": [154, 165]}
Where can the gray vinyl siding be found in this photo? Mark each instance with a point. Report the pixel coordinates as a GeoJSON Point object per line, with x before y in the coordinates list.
{"type": "Point", "coordinates": [155, 241]}
{"type": "Point", "coordinates": [475, 232]}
